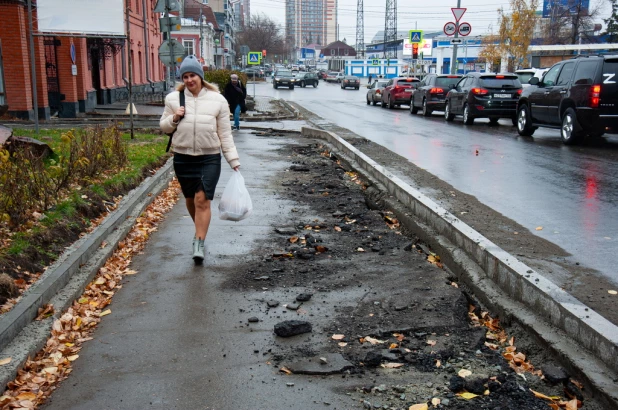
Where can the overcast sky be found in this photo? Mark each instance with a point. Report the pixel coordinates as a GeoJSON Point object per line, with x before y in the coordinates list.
{"type": "Point", "coordinates": [428, 15]}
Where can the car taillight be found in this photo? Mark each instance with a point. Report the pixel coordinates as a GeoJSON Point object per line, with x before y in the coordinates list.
{"type": "Point", "coordinates": [519, 91]}
{"type": "Point", "coordinates": [595, 94]}
{"type": "Point", "coordinates": [479, 91]}
{"type": "Point", "coordinates": [397, 89]}
{"type": "Point", "coordinates": [436, 90]}
{"type": "Point", "coordinates": [378, 91]}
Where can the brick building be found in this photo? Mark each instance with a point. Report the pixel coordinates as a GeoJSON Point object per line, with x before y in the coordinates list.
{"type": "Point", "coordinates": [74, 74]}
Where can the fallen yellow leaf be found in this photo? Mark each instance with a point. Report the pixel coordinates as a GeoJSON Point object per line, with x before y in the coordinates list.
{"type": "Point", "coordinates": [73, 358]}
{"type": "Point", "coordinates": [373, 341]}
{"type": "Point", "coordinates": [294, 239]}
{"type": "Point", "coordinates": [467, 395]}
{"type": "Point", "coordinates": [337, 337]}
{"type": "Point", "coordinates": [342, 344]}
{"type": "Point", "coordinates": [5, 361]}
{"type": "Point", "coordinates": [393, 346]}
{"type": "Point", "coordinates": [51, 370]}
{"type": "Point", "coordinates": [285, 370]}
{"type": "Point", "coordinates": [464, 373]}
{"type": "Point", "coordinates": [422, 406]}
{"type": "Point", "coordinates": [435, 401]}
{"type": "Point", "coordinates": [130, 272]}
{"type": "Point", "coordinates": [571, 405]}
{"type": "Point", "coordinates": [105, 313]}
{"type": "Point", "coordinates": [391, 365]}
{"type": "Point", "coordinates": [431, 342]}
{"type": "Point", "coordinates": [26, 396]}
{"type": "Point", "coordinates": [338, 229]}
{"type": "Point", "coordinates": [99, 281]}
{"type": "Point", "coordinates": [612, 292]}
{"type": "Point", "coordinates": [438, 363]}
{"type": "Point", "coordinates": [539, 228]}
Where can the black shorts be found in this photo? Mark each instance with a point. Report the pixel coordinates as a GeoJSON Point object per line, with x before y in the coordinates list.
{"type": "Point", "coordinates": [197, 173]}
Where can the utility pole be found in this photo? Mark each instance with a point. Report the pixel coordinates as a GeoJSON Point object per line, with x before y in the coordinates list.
{"type": "Point", "coordinates": [360, 30]}
{"type": "Point", "coordinates": [201, 33]}
{"type": "Point", "coordinates": [390, 29]}
{"type": "Point", "coordinates": [130, 85]}
{"type": "Point", "coordinates": [168, 33]}
{"type": "Point", "coordinates": [454, 59]}
{"type": "Point", "coordinates": [35, 98]}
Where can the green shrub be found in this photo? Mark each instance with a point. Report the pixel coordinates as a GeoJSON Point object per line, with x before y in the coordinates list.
{"type": "Point", "coordinates": [31, 183]}
{"type": "Point", "coordinates": [222, 77]}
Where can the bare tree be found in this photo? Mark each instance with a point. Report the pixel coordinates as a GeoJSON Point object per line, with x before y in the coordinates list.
{"type": "Point", "coordinates": [570, 23]}
{"type": "Point", "coordinates": [262, 33]}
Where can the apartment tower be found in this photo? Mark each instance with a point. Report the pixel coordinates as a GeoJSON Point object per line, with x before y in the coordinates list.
{"type": "Point", "coordinates": [311, 22]}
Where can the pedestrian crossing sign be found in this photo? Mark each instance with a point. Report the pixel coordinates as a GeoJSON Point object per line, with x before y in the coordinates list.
{"type": "Point", "coordinates": [375, 61]}
{"type": "Point", "coordinates": [416, 36]}
{"type": "Point", "coordinates": [254, 57]}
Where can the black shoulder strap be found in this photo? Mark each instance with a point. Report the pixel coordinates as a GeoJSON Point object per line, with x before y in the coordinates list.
{"type": "Point", "coordinates": [181, 96]}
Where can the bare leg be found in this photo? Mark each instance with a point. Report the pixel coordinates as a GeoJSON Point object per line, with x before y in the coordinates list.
{"type": "Point", "coordinates": [202, 215]}
{"type": "Point", "coordinates": [191, 207]}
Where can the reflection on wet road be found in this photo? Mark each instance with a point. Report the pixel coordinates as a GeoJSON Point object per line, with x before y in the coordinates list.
{"type": "Point", "coordinates": [572, 192]}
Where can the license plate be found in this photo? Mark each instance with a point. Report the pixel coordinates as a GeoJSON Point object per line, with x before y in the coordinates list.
{"type": "Point", "coordinates": [502, 95]}
{"type": "Point", "coordinates": [408, 90]}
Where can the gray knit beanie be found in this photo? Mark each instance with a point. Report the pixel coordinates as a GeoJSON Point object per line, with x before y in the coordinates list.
{"type": "Point", "coordinates": [191, 65]}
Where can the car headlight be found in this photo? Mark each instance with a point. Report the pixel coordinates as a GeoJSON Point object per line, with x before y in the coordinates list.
{"type": "Point", "coordinates": [277, 79]}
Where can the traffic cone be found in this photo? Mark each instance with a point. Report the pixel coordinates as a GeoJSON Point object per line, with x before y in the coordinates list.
{"type": "Point", "coordinates": [127, 111]}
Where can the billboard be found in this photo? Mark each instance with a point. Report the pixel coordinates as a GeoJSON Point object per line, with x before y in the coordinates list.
{"type": "Point", "coordinates": [561, 8]}
{"type": "Point", "coordinates": [83, 16]}
{"type": "Point", "coordinates": [425, 47]}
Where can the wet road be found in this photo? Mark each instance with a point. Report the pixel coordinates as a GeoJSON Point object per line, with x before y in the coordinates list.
{"type": "Point", "coordinates": [572, 192]}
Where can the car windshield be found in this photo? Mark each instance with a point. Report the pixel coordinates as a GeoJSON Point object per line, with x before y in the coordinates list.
{"type": "Point", "coordinates": [446, 81]}
{"type": "Point", "coordinates": [525, 77]}
{"type": "Point", "coordinates": [284, 72]}
{"type": "Point", "coordinates": [499, 81]}
{"type": "Point", "coordinates": [382, 84]}
{"type": "Point", "coordinates": [333, 74]}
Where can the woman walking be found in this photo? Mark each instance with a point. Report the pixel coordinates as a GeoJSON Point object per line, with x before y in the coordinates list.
{"type": "Point", "coordinates": [201, 132]}
{"type": "Point", "coordinates": [235, 94]}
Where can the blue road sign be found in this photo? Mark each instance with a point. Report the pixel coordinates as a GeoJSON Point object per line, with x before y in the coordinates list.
{"type": "Point", "coordinates": [321, 55]}
{"type": "Point", "coordinates": [254, 57]}
{"type": "Point", "coordinates": [416, 36]}
{"type": "Point", "coordinates": [375, 61]}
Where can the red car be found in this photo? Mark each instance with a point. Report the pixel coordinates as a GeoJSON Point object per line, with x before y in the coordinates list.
{"type": "Point", "coordinates": [398, 91]}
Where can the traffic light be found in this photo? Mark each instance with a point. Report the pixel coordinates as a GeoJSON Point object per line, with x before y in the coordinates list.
{"type": "Point", "coordinates": [414, 51]}
{"type": "Point", "coordinates": [263, 53]}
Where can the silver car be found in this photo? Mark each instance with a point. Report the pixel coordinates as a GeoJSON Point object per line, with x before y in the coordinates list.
{"type": "Point", "coordinates": [374, 93]}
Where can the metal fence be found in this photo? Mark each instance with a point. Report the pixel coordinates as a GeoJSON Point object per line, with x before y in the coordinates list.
{"type": "Point", "coordinates": [141, 96]}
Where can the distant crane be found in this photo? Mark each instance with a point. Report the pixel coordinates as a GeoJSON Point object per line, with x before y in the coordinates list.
{"type": "Point", "coordinates": [360, 30]}
{"type": "Point", "coordinates": [390, 29]}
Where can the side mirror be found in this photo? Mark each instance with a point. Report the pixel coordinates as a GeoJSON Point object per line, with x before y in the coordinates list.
{"type": "Point", "coordinates": [534, 81]}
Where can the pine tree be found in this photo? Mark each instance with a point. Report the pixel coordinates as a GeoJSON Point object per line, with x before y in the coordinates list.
{"type": "Point", "coordinates": [612, 23]}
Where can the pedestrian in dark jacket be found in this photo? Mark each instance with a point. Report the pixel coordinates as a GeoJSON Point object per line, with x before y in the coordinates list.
{"type": "Point", "coordinates": [235, 94]}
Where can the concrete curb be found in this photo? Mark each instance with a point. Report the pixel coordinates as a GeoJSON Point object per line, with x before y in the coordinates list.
{"type": "Point", "coordinates": [290, 107]}
{"type": "Point", "coordinates": [520, 282]}
{"type": "Point", "coordinates": [62, 282]}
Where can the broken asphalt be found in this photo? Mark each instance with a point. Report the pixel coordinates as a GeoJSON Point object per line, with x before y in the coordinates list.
{"type": "Point", "coordinates": [389, 326]}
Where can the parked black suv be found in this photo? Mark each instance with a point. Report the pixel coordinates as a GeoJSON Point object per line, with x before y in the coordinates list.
{"type": "Point", "coordinates": [430, 93]}
{"type": "Point", "coordinates": [579, 96]}
{"type": "Point", "coordinates": [484, 95]}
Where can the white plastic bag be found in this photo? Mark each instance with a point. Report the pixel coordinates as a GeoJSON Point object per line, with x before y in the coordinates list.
{"type": "Point", "coordinates": [235, 204]}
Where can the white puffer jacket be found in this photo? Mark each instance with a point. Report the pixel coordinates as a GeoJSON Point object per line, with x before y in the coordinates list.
{"type": "Point", "coordinates": [205, 128]}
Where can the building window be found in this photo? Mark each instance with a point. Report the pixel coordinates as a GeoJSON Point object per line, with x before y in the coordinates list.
{"type": "Point", "coordinates": [2, 92]}
{"type": "Point", "coordinates": [188, 44]}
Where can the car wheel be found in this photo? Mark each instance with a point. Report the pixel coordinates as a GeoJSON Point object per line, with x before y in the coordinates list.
{"type": "Point", "coordinates": [382, 104]}
{"type": "Point", "coordinates": [524, 123]}
{"type": "Point", "coordinates": [315, 85]}
{"type": "Point", "coordinates": [368, 102]}
{"type": "Point", "coordinates": [467, 118]}
{"type": "Point", "coordinates": [357, 88]}
{"type": "Point", "coordinates": [373, 100]}
{"type": "Point", "coordinates": [426, 110]}
{"type": "Point", "coordinates": [413, 109]}
{"type": "Point", "coordinates": [448, 115]}
{"type": "Point", "coordinates": [275, 86]}
{"type": "Point", "coordinates": [390, 103]}
{"type": "Point", "coordinates": [571, 131]}
{"type": "Point", "coordinates": [291, 87]}
{"type": "Point", "coordinates": [302, 84]}
{"type": "Point", "coordinates": [493, 120]}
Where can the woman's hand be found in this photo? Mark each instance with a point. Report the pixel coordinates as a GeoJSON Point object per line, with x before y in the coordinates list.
{"type": "Point", "coordinates": [237, 167]}
{"type": "Point", "coordinates": [180, 112]}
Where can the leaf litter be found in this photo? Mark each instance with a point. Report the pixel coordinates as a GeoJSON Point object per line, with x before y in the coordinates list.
{"type": "Point", "coordinates": [40, 376]}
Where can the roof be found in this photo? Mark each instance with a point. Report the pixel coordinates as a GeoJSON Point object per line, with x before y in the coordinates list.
{"type": "Point", "coordinates": [340, 48]}
{"type": "Point", "coordinates": [192, 10]}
